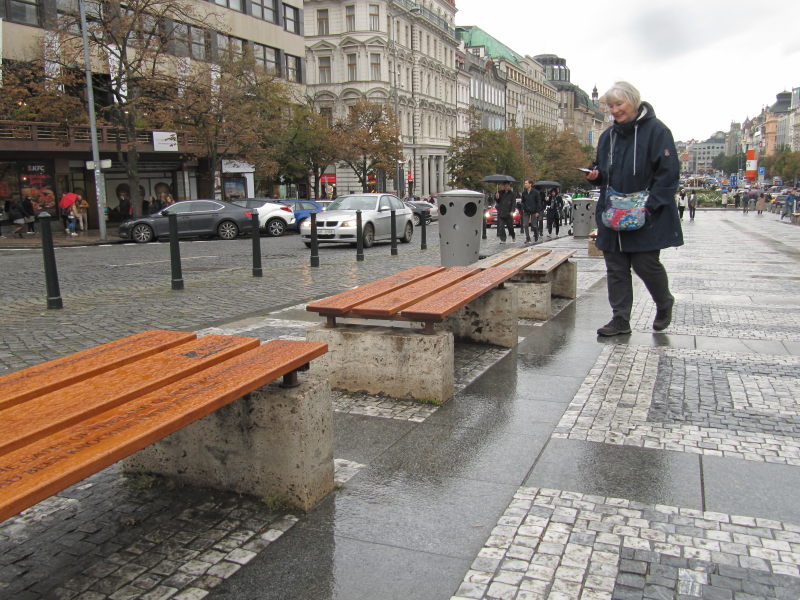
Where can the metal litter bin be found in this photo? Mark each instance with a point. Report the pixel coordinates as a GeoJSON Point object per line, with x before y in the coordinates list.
{"type": "Point", "coordinates": [460, 222]}
{"type": "Point", "coordinates": [583, 216]}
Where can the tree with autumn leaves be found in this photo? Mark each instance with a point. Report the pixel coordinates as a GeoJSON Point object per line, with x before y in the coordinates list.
{"type": "Point", "coordinates": [536, 152]}
{"type": "Point", "coordinates": [369, 140]}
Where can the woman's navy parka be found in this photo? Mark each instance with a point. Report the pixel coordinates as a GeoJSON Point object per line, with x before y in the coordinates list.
{"type": "Point", "coordinates": [644, 158]}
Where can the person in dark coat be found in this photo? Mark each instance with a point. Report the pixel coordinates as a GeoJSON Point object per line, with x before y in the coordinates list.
{"type": "Point", "coordinates": [532, 207]}
{"type": "Point", "coordinates": [637, 153]}
{"type": "Point", "coordinates": [505, 201]}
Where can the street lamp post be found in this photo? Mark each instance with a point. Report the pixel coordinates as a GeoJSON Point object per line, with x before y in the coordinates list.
{"type": "Point", "coordinates": [99, 183]}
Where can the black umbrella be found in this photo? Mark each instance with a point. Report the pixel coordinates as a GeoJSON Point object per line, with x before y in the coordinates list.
{"type": "Point", "coordinates": [499, 179]}
{"type": "Point", "coordinates": [548, 184]}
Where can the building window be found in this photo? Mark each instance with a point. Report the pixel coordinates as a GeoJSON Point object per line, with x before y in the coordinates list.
{"type": "Point", "coordinates": [229, 47]}
{"type": "Point", "coordinates": [291, 18]}
{"type": "Point", "coordinates": [350, 18]}
{"type": "Point", "coordinates": [374, 17]}
{"type": "Point", "coordinates": [189, 41]}
{"type": "Point", "coordinates": [266, 58]}
{"type": "Point", "coordinates": [23, 11]}
{"type": "Point", "coordinates": [352, 67]}
{"type": "Point", "coordinates": [322, 22]}
{"type": "Point", "coordinates": [265, 9]}
{"type": "Point", "coordinates": [294, 70]}
{"type": "Point", "coordinates": [327, 113]}
{"type": "Point", "coordinates": [233, 4]}
{"type": "Point", "coordinates": [375, 67]}
{"type": "Point", "coordinates": [324, 69]}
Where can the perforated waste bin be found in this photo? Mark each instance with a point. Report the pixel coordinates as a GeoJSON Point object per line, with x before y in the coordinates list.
{"type": "Point", "coordinates": [460, 222]}
{"type": "Point", "coordinates": [583, 215]}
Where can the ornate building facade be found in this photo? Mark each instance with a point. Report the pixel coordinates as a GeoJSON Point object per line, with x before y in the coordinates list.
{"type": "Point", "coordinates": [397, 52]}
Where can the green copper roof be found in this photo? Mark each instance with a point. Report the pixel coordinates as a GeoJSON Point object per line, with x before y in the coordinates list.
{"type": "Point", "coordinates": [475, 36]}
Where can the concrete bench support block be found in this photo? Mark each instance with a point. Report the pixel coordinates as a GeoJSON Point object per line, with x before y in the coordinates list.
{"type": "Point", "coordinates": [398, 361]}
{"type": "Point", "coordinates": [274, 443]}
{"type": "Point", "coordinates": [491, 318]}
{"type": "Point", "coordinates": [534, 300]}
{"type": "Point", "coordinates": [565, 280]}
{"type": "Point", "coordinates": [593, 251]}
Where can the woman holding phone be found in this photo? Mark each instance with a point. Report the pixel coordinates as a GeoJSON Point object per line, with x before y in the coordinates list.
{"type": "Point", "coordinates": [635, 154]}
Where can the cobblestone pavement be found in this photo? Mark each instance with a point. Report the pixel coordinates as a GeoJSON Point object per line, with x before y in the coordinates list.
{"type": "Point", "coordinates": [697, 389]}
{"type": "Point", "coordinates": [559, 544]}
{"type": "Point", "coordinates": [739, 404]}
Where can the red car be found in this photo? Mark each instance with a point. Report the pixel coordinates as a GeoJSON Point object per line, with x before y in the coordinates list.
{"type": "Point", "coordinates": [491, 217]}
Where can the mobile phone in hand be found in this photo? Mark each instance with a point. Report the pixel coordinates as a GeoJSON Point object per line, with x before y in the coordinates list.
{"type": "Point", "coordinates": [584, 169]}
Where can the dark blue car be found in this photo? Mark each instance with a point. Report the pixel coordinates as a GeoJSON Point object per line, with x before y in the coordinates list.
{"type": "Point", "coordinates": [302, 210]}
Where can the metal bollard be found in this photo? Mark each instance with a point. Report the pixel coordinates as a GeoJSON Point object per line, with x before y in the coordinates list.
{"type": "Point", "coordinates": [314, 241]}
{"type": "Point", "coordinates": [50, 269]}
{"type": "Point", "coordinates": [393, 215]}
{"type": "Point", "coordinates": [257, 272]}
{"type": "Point", "coordinates": [483, 232]}
{"type": "Point", "coordinates": [359, 237]}
{"type": "Point", "coordinates": [175, 253]}
{"type": "Point", "coordinates": [423, 223]}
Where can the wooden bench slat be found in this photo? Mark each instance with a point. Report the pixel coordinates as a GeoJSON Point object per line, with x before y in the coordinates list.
{"type": "Point", "coordinates": [52, 375]}
{"type": "Point", "coordinates": [501, 257]}
{"type": "Point", "coordinates": [340, 304]}
{"type": "Point", "coordinates": [523, 261]}
{"type": "Point", "coordinates": [393, 302]}
{"type": "Point", "coordinates": [549, 262]}
{"type": "Point", "coordinates": [40, 416]}
{"type": "Point", "coordinates": [438, 306]}
{"type": "Point", "coordinates": [47, 466]}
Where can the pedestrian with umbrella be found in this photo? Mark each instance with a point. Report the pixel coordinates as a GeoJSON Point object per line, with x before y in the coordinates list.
{"type": "Point", "coordinates": [505, 201]}
{"type": "Point", "coordinates": [66, 204]}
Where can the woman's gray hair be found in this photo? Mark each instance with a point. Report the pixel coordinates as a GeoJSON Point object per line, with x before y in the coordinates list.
{"type": "Point", "coordinates": [624, 91]}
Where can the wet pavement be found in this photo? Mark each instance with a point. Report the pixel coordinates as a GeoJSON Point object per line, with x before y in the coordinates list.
{"type": "Point", "coordinates": [652, 465]}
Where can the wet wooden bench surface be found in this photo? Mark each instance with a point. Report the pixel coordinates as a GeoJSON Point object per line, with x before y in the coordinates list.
{"type": "Point", "coordinates": [79, 423]}
{"type": "Point", "coordinates": [547, 264]}
{"type": "Point", "coordinates": [427, 294]}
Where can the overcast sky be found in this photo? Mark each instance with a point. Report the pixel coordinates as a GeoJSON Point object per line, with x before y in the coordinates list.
{"type": "Point", "coordinates": [700, 63]}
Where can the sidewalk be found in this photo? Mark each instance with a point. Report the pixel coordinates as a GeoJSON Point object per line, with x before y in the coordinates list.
{"type": "Point", "coordinates": [655, 465]}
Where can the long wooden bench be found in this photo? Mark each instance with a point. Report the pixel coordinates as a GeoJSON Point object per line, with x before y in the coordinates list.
{"type": "Point", "coordinates": [541, 274]}
{"type": "Point", "coordinates": [464, 302]}
{"type": "Point", "coordinates": [66, 419]}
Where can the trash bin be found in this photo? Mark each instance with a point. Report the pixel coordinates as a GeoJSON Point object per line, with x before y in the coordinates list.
{"type": "Point", "coordinates": [583, 216]}
{"type": "Point", "coordinates": [460, 222]}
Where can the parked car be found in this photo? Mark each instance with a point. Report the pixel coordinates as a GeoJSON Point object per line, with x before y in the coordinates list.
{"type": "Point", "coordinates": [338, 222]}
{"type": "Point", "coordinates": [324, 203]}
{"type": "Point", "coordinates": [491, 216]}
{"type": "Point", "coordinates": [195, 218]}
{"type": "Point", "coordinates": [302, 210]}
{"type": "Point", "coordinates": [274, 218]}
{"type": "Point", "coordinates": [421, 210]}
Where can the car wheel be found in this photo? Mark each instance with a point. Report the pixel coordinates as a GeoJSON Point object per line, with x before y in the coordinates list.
{"type": "Point", "coordinates": [276, 227]}
{"type": "Point", "coordinates": [142, 233]}
{"type": "Point", "coordinates": [408, 233]}
{"type": "Point", "coordinates": [368, 235]}
{"type": "Point", "coordinates": [227, 230]}
{"type": "Point", "coordinates": [416, 220]}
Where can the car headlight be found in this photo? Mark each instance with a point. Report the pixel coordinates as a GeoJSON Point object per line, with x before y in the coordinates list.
{"type": "Point", "coordinates": [306, 224]}
{"type": "Point", "coordinates": [487, 214]}
{"type": "Point", "coordinates": [347, 224]}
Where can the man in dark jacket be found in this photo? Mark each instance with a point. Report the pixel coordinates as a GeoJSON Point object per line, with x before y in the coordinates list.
{"type": "Point", "coordinates": [505, 201]}
{"type": "Point", "coordinates": [532, 207]}
{"type": "Point", "coordinates": [637, 153]}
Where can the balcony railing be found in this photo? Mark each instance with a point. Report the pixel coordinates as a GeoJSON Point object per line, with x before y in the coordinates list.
{"type": "Point", "coordinates": [27, 135]}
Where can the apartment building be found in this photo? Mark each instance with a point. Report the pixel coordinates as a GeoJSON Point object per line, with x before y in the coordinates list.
{"type": "Point", "coordinates": [397, 52]}
{"type": "Point", "coordinates": [45, 160]}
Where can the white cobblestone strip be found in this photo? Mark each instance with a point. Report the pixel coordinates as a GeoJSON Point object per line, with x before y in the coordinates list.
{"type": "Point", "coordinates": [559, 545]}
{"type": "Point", "coordinates": [344, 470]}
{"type": "Point", "coordinates": [702, 402]}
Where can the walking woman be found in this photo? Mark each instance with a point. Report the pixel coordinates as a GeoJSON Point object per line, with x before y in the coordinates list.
{"type": "Point", "coordinates": [636, 153]}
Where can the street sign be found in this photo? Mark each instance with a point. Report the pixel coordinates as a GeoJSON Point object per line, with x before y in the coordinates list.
{"type": "Point", "coordinates": [762, 170]}
{"type": "Point", "coordinates": [734, 180]}
{"type": "Point", "coordinates": [105, 163]}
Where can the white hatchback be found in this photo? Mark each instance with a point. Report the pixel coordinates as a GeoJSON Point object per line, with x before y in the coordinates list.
{"type": "Point", "coordinates": [273, 218]}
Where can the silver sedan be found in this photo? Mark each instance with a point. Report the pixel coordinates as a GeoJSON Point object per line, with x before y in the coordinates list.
{"type": "Point", "coordinates": [338, 222]}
